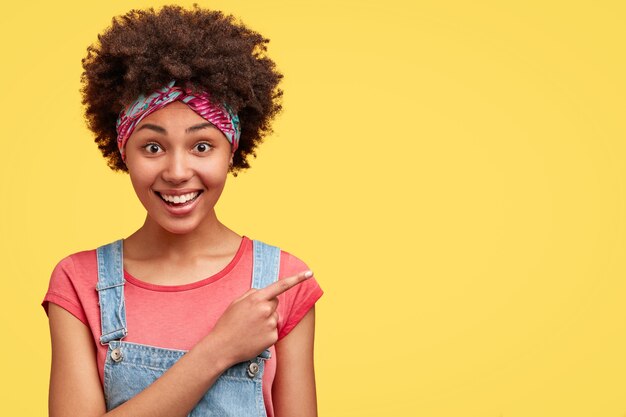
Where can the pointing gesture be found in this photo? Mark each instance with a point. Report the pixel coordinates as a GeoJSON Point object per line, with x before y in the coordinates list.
{"type": "Point", "coordinates": [282, 285]}
{"type": "Point", "coordinates": [249, 324]}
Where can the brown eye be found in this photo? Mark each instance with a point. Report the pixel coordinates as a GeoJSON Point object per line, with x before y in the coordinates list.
{"type": "Point", "coordinates": [152, 148]}
{"type": "Point", "coordinates": [203, 147]}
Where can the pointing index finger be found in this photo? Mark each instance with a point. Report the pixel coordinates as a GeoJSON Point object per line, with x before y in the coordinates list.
{"type": "Point", "coordinates": [280, 286]}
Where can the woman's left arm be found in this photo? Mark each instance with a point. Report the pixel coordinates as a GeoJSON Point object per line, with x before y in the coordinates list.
{"type": "Point", "coordinates": [293, 391]}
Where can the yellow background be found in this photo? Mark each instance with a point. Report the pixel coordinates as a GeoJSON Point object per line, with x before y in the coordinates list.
{"type": "Point", "coordinates": [451, 170]}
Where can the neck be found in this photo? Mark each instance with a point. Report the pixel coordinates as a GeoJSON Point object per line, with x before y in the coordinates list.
{"type": "Point", "coordinates": [152, 240]}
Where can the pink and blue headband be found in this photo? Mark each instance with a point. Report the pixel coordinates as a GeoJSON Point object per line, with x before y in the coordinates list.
{"type": "Point", "coordinates": [220, 115]}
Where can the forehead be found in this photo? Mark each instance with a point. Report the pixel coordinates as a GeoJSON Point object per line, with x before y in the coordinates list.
{"type": "Point", "coordinates": [175, 113]}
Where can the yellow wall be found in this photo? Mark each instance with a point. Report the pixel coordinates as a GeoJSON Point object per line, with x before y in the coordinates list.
{"type": "Point", "coordinates": [451, 170]}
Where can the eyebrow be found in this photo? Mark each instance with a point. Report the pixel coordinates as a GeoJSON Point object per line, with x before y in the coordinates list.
{"type": "Point", "coordinates": [190, 129]}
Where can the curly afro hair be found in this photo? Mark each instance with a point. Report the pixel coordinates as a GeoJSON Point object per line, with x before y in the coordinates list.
{"type": "Point", "coordinates": [201, 49]}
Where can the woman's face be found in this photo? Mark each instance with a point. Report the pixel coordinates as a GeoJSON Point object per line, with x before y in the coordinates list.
{"type": "Point", "coordinates": [174, 154]}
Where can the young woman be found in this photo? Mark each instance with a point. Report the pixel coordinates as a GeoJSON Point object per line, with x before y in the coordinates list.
{"type": "Point", "coordinates": [184, 316]}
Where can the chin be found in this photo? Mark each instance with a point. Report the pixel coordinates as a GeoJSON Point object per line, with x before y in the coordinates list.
{"type": "Point", "coordinates": [179, 229]}
{"type": "Point", "coordinates": [175, 231]}
{"type": "Point", "coordinates": [175, 226]}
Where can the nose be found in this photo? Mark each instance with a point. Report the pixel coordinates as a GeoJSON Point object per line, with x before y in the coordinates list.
{"type": "Point", "coordinates": [177, 169]}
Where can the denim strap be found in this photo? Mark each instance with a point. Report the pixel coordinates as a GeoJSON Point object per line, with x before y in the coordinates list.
{"type": "Point", "coordinates": [266, 264]}
{"type": "Point", "coordinates": [265, 269]}
{"type": "Point", "coordinates": [110, 289]}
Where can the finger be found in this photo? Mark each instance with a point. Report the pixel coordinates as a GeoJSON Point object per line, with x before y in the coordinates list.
{"type": "Point", "coordinates": [283, 285]}
{"type": "Point", "coordinates": [274, 319]}
{"type": "Point", "coordinates": [274, 304]}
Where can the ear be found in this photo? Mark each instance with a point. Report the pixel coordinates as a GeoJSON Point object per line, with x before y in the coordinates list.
{"type": "Point", "coordinates": [231, 161]}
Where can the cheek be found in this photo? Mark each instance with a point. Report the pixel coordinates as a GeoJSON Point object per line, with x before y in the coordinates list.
{"type": "Point", "coordinates": [141, 183]}
{"type": "Point", "coordinates": [216, 173]}
{"type": "Point", "coordinates": [214, 180]}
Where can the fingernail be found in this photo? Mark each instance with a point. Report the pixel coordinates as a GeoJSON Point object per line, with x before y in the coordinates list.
{"type": "Point", "coordinates": [308, 274]}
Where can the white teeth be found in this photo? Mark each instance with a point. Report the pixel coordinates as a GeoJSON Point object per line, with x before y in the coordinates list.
{"type": "Point", "coordinates": [177, 199]}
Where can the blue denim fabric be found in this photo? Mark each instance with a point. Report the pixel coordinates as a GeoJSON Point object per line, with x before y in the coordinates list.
{"type": "Point", "coordinates": [131, 367]}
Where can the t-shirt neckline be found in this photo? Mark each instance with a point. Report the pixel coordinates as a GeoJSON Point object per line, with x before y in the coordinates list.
{"type": "Point", "coordinates": [192, 285]}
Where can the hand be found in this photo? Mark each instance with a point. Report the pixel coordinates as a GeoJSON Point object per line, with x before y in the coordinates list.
{"type": "Point", "coordinates": [249, 324]}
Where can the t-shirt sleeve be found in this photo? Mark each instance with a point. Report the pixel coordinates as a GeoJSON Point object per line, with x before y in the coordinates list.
{"type": "Point", "coordinates": [297, 301]}
{"type": "Point", "coordinates": [61, 290]}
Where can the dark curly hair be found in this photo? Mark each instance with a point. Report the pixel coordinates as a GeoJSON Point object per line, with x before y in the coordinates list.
{"type": "Point", "coordinates": [201, 49]}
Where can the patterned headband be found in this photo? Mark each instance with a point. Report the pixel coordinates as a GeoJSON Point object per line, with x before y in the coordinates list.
{"type": "Point", "coordinates": [220, 116]}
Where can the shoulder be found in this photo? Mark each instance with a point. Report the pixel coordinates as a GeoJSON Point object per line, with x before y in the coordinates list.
{"type": "Point", "coordinates": [291, 264]}
{"type": "Point", "coordinates": [72, 283]}
{"type": "Point", "coordinates": [77, 263]}
{"type": "Point", "coordinates": [297, 301]}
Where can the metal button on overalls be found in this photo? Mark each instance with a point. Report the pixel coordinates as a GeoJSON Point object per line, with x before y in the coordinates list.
{"type": "Point", "coordinates": [116, 354]}
{"type": "Point", "coordinates": [253, 368]}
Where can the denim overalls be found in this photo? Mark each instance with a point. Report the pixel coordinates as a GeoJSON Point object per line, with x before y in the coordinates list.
{"type": "Point", "coordinates": [130, 367]}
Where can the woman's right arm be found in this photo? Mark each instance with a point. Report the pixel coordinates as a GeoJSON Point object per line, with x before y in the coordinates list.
{"type": "Point", "coordinates": [75, 387]}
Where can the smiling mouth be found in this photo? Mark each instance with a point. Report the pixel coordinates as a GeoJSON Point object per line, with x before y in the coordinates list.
{"type": "Point", "coordinates": [179, 201]}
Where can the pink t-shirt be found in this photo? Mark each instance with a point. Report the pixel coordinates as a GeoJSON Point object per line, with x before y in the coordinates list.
{"type": "Point", "coordinates": [159, 315]}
